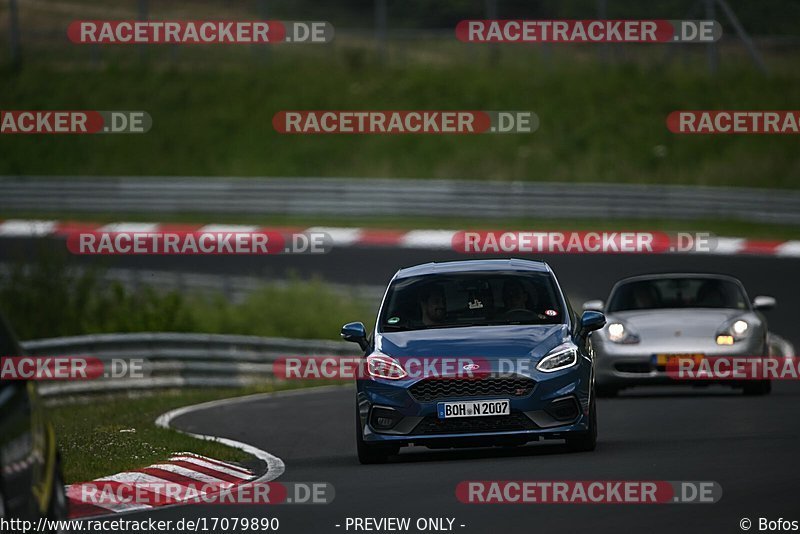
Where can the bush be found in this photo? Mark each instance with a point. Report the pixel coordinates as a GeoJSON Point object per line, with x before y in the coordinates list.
{"type": "Point", "coordinates": [51, 299]}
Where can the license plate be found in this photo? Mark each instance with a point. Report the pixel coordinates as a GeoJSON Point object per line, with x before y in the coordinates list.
{"type": "Point", "coordinates": [664, 360]}
{"type": "Point", "coordinates": [478, 408]}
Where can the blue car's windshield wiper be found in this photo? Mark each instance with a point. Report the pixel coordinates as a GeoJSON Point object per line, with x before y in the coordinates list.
{"type": "Point", "coordinates": [458, 325]}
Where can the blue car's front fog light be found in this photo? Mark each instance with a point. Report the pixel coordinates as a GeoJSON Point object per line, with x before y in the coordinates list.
{"type": "Point", "coordinates": [564, 409]}
{"type": "Point", "coordinates": [382, 418]}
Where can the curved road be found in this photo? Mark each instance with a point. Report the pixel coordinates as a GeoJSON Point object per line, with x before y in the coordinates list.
{"type": "Point", "coordinates": [748, 445]}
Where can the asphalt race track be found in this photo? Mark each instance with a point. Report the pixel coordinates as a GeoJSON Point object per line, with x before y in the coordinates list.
{"type": "Point", "coordinates": [749, 445]}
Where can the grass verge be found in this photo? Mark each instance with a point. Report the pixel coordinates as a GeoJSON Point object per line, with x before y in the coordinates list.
{"type": "Point", "coordinates": [103, 435]}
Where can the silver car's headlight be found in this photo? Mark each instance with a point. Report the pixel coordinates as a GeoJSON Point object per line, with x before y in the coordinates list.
{"type": "Point", "coordinates": [740, 327]}
{"type": "Point", "coordinates": [619, 333]}
{"type": "Point", "coordinates": [733, 331]}
{"type": "Point", "coordinates": [559, 358]}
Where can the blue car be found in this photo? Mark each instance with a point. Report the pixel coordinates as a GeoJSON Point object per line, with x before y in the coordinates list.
{"type": "Point", "coordinates": [475, 353]}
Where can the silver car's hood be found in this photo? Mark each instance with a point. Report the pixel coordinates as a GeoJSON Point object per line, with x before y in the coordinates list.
{"type": "Point", "coordinates": [656, 325]}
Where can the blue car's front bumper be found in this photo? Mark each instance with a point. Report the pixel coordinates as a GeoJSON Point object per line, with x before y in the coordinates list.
{"type": "Point", "coordinates": [556, 404]}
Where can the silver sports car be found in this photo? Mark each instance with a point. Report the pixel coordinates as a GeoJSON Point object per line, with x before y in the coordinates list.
{"type": "Point", "coordinates": [653, 318]}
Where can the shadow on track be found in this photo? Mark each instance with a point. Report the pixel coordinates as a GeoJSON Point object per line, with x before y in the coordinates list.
{"type": "Point", "coordinates": [420, 454]}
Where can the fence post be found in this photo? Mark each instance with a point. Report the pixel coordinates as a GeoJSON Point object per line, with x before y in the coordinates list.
{"type": "Point", "coordinates": [491, 14]}
{"type": "Point", "coordinates": [381, 23]}
{"type": "Point", "coordinates": [712, 50]}
{"type": "Point", "coordinates": [748, 43]}
{"type": "Point", "coordinates": [262, 50]}
{"type": "Point", "coordinates": [13, 18]}
{"type": "Point", "coordinates": [602, 14]}
{"type": "Point", "coordinates": [143, 15]}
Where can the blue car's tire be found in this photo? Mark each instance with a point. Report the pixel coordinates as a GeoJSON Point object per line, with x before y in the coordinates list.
{"type": "Point", "coordinates": [607, 391]}
{"type": "Point", "coordinates": [586, 441]}
{"type": "Point", "coordinates": [369, 453]}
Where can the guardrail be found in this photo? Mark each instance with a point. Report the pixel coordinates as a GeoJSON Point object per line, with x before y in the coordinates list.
{"type": "Point", "coordinates": [377, 197]}
{"type": "Point", "coordinates": [180, 360]}
{"type": "Point", "coordinates": [202, 360]}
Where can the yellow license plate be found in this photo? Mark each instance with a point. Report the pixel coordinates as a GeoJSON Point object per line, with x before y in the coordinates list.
{"type": "Point", "coordinates": [663, 360]}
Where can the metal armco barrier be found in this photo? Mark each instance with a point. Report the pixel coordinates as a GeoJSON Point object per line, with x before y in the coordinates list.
{"type": "Point", "coordinates": [180, 360]}
{"type": "Point", "coordinates": [374, 197]}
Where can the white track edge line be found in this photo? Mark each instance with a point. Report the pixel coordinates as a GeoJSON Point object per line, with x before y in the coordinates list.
{"type": "Point", "coordinates": [275, 466]}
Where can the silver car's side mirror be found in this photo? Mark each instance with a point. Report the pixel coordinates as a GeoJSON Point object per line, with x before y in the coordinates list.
{"type": "Point", "coordinates": [763, 303]}
{"type": "Point", "coordinates": [593, 305]}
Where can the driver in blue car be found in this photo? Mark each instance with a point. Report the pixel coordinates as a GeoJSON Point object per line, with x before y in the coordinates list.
{"type": "Point", "coordinates": [519, 303]}
{"type": "Point", "coordinates": [433, 305]}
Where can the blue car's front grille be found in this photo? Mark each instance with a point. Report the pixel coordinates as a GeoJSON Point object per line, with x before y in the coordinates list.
{"type": "Point", "coordinates": [501, 423]}
{"type": "Point", "coordinates": [434, 389]}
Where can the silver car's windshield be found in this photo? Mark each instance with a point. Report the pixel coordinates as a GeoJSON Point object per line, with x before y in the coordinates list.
{"type": "Point", "coordinates": [471, 299]}
{"type": "Point", "coordinates": [677, 293]}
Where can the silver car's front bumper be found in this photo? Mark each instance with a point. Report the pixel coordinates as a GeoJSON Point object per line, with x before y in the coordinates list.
{"type": "Point", "coordinates": [619, 365]}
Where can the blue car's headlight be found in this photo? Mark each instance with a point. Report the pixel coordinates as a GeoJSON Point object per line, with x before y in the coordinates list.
{"type": "Point", "coordinates": [559, 358]}
{"type": "Point", "coordinates": [380, 365]}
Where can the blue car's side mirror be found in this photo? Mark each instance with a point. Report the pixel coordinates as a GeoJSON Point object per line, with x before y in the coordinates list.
{"type": "Point", "coordinates": [356, 333]}
{"type": "Point", "coordinates": [591, 321]}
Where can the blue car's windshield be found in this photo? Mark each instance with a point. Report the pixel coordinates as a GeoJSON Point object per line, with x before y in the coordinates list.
{"type": "Point", "coordinates": [471, 299]}
{"type": "Point", "coordinates": [660, 293]}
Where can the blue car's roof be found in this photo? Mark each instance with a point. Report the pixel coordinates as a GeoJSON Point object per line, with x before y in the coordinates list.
{"type": "Point", "coordinates": [511, 264]}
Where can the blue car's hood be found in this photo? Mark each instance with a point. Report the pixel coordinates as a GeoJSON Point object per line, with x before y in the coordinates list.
{"type": "Point", "coordinates": [487, 342]}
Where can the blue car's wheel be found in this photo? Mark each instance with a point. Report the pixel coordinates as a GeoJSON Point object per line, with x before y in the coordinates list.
{"type": "Point", "coordinates": [607, 391]}
{"type": "Point", "coordinates": [369, 453]}
{"type": "Point", "coordinates": [586, 441]}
